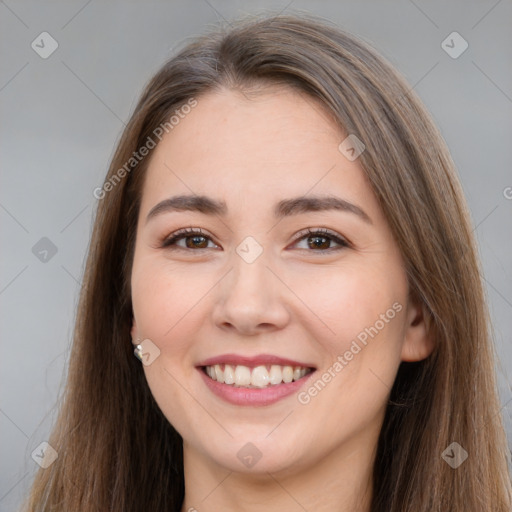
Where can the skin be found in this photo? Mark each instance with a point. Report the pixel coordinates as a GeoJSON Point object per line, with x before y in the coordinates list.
{"type": "Point", "coordinates": [293, 301]}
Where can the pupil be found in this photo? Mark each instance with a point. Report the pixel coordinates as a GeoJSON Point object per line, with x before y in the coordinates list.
{"type": "Point", "coordinates": [195, 241]}
{"type": "Point", "coordinates": [319, 245]}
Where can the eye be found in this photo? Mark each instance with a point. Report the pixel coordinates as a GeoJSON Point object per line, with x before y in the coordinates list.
{"type": "Point", "coordinates": [194, 239]}
{"type": "Point", "coordinates": [320, 239]}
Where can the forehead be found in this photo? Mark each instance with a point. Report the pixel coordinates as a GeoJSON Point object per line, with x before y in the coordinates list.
{"type": "Point", "coordinates": [226, 124]}
{"type": "Point", "coordinates": [249, 150]}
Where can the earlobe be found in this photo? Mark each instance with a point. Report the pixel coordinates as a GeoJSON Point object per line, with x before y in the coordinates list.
{"type": "Point", "coordinates": [418, 338]}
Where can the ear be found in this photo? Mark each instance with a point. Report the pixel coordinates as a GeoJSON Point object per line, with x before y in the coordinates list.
{"type": "Point", "coordinates": [134, 332]}
{"type": "Point", "coordinates": [418, 338]}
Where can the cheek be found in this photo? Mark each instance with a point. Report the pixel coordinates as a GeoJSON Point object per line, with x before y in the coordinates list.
{"type": "Point", "coordinates": [165, 306]}
{"type": "Point", "coordinates": [368, 346]}
{"type": "Point", "coordinates": [361, 333]}
{"type": "Point", "coordinates": [345, 303]}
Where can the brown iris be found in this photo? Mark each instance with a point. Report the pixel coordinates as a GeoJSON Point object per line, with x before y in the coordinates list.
{"type": "Point", "coordinates": [193, 244]}
{"type": "Point", "coordinates": [315, 245]}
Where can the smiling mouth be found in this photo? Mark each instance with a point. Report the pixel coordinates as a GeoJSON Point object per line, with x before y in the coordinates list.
{"type": "Point", "coordinates": [260, 377]}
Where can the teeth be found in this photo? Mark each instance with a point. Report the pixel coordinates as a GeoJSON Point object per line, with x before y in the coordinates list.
{"type": "Point", "coordinates": [242, 375]}
{"type": "Point", "coordinates": [287, 374]}
{"type": "Point", "coordinates": [219, 374]}
{"type": "Point", "coordinates": [257, 377]}
{"type": "Point", "coordinates": [229, 374]}
{"type": "Point", "coordinates": [276, 375]}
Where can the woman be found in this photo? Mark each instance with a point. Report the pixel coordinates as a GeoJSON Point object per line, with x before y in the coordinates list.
{"type": "Point", "coordinates": [283, 240]}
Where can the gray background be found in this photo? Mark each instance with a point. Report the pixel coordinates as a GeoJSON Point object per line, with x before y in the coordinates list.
{"type": "Point", "coordinates": [62, 116]}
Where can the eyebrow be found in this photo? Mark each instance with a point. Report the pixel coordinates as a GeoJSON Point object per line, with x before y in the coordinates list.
{"type": "Point", "coordinates": [284, 208]}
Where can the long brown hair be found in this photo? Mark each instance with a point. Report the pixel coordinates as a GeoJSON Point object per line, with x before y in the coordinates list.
{"type": "Point", "coordinates": [116, 449]}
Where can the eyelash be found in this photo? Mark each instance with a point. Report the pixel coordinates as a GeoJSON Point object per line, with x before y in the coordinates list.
{"type": "Point", "coordinates": [170, 241]}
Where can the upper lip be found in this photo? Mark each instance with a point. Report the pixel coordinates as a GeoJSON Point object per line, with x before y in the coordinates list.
{"type": "Point", "coordinates": [260, 360]}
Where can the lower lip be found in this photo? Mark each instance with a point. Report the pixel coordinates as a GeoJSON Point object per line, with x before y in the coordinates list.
{"type": "Point", "coordinates": [254, 396]}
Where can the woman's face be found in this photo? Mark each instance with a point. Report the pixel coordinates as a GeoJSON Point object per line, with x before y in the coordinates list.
{"type": "Point", "coordinates": [260, 289]}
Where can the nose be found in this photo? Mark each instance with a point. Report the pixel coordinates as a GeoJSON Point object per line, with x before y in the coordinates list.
{"type": "Point", "coordinates": [250, 299]}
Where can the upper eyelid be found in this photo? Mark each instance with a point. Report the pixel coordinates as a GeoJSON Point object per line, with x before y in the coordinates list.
{"type": "Point", "coordinates": [314, 231]}
{"type": "Point", "coordinates": [184, 233]}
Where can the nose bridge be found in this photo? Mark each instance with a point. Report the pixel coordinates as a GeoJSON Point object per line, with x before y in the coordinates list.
{"type": "Point", "coordinates": [250, 297]}
{"type": "Point", "coordinates": [249, 280]}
